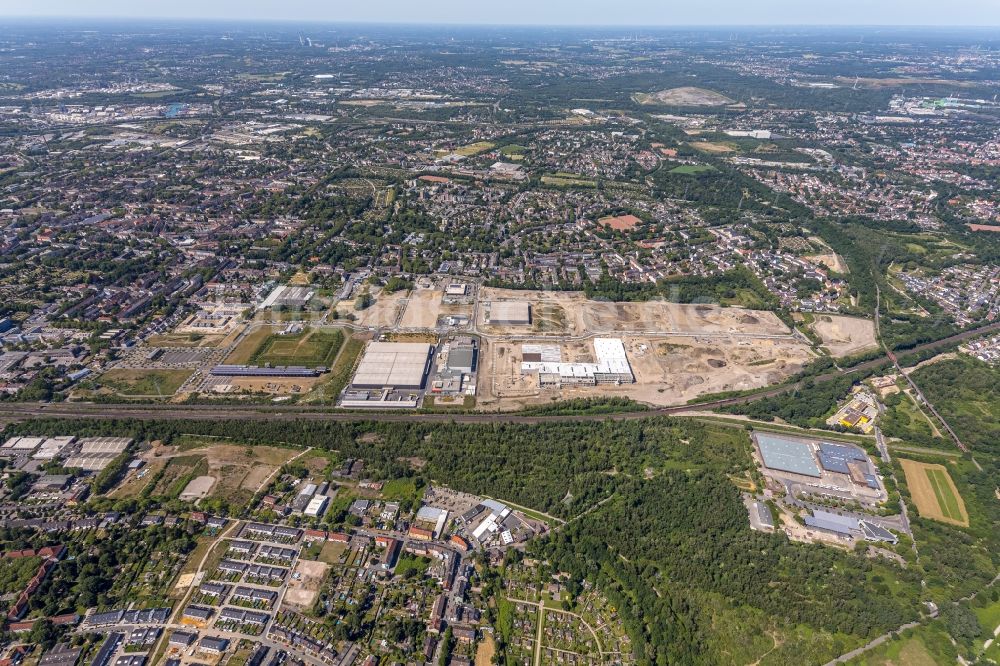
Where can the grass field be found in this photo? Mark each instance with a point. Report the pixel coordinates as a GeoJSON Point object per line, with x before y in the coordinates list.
{"type": "Point", "coordinates": [185, 340]}
{"type": "Point", "coordinates": [512, 149]}
{"type": "Point", "coordinates": [312, 347]}
{"type": "Point", "coordinates": [249, 345]}
{"type": "Point", "coordinates": [934, 492]}
{"type": "Point", "coordinates": [399, 489]}
{"type": "Point", "coordinates": [410, 565]}
{"type": "Point", "coordinates": [475, 148]}
{"type": "Point", "coordinates": [160, 383]}
{"type": "Point", "coordinates": [177, 474]}
{"type": "Point", "coordinates": [692, 169]}
{"type": "Point", "coordinates": [714, 147]}
{"type": "Point", "coordinates": [332, 552]}
{"type": "Point", "coordinates": [133, 485]}
{"type": "Point", "coordinates": [340, 374]}
{"type": "Point", "coordinates": [567, 180]}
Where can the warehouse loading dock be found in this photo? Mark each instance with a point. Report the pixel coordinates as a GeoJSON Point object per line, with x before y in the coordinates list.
{"type": "Point", "coordinates": [612, 366]}
{"type": "Point", "coordinates": [389, 375]}
{"type": "Point", "coordinates": [393, 365]}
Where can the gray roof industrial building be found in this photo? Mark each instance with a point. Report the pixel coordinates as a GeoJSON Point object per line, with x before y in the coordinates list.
{"type": "Point", "coordinates": [509, 313]}
{"type": "Point", "coordinates": [787, 455]}
{"type": "Point", "coordinates": [400, 365]}
{"type": "Point", "coordinates": [265, 371]}
{"type": "Point", "coordinates": [848, 526]}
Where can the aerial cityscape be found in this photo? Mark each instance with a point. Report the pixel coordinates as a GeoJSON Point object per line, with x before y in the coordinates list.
{"type": "Point", "coordinates": [365, 344]}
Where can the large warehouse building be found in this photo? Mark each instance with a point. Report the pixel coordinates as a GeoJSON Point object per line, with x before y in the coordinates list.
{"type": "Point", "coordinates": [612, 365]}
{"type": "Point", "coordinates": [265, 371]}
{"type": "Point", "coordinates": [395, 365]}
{"type": "Point", "coordinates": [509, 313]}
{"type": "Point", "coordinates": [787, 455]}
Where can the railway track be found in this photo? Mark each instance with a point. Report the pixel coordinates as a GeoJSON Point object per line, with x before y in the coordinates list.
{"type": "Point", "coordinates": [76, 410]}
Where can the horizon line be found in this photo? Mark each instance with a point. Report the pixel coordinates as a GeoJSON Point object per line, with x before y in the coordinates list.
{"type": "Point", "coordinates": [459, 24]}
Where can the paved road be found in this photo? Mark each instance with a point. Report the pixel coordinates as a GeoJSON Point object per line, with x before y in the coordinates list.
{"type": "Point", "coordinates": [73, 410]}
{"type": "Point", "coordinates": [875, 643]}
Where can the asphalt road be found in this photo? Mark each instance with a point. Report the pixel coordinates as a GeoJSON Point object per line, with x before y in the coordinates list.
{"type": "Point", "coordinates": [73, 410]}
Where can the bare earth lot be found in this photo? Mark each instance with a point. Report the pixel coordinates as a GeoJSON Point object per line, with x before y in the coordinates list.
{"type": "Point", "coordinates": [385, 309]}
{"type": "Point", "coordinates": [669, 370]}
{"type": "Point", "coordinates": [685, 96]}
{"type": "Point", "coordinates": [831, 260]}
{"type": "Point", "coordinates": [301, 592]}
{"type": "Point", "coordinates": [424, 307]}
{"type": "Point", "coordinates": [198, 488]}
{"type": "Point", "coordinates": [845, 335]}
{"type": "Point", "coordinates": [570, 314]}
{"type": "Point", "coordinates": [233, 472]}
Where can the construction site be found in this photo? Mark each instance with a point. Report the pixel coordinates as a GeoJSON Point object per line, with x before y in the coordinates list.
{"type": "Point", "coordinates": [661, 370]}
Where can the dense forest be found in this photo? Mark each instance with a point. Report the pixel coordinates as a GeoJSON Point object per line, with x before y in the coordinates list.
{"type": "Point", "coordinates": [967, 394]}
{"type": "Point", "coordinates": [679, 533]}
{"type": "Point", "coordinates": [654, 520]}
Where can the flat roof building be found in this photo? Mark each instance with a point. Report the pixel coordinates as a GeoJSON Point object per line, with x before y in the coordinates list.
{"type": "Point", "coordinates": [509, 313]}
{"type": "Point", "coordinates": [264, 371]}
{"type": "Point", "coordinates": [60, 655]}
{"type": "Point", "coordinates": [764, 514]}
{"type": "Point", "coordinates": [317, 506]}
{"type": "Point", "coordinates": [99, 445]}
{"type": "Point", "coordinates": [832, 522]}
{"type": "Point", "coordinates": [787, 455]}
{"type": "Point", "coordinates": [462, 353]}
{"type": "Point", "coordinates": [396, 365]}
{"type": "Point", "coordinates": [612, 366]}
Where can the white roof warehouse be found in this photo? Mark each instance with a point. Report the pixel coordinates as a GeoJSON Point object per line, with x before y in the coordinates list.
{"type": "Point", "coordinates": [399, 365]}
{"type": "Point", "coordinates": [612, 367]}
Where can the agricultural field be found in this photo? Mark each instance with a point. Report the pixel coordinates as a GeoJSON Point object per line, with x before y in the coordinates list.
{"type": "Point", "coordinates": [934, 492]}
{"type": "Point", "coordinates": [143, 383]}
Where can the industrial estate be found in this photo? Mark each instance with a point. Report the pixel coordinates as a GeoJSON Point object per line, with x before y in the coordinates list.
{"type": "Point", "coordinates": [388, 345]}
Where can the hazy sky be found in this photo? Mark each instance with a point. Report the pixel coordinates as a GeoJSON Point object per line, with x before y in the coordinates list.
{"type": "Point", "coordinates": [546, 12]}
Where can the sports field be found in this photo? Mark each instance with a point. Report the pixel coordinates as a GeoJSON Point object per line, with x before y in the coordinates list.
{"type": "Point", "coordinates": [934, 492]}
{"type": "Point", "coordinates": [312, 347]}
